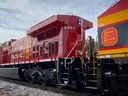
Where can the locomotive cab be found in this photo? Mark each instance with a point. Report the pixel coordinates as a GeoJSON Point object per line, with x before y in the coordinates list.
{"type": "Point", "coordinates": [62, 33]}
{"type": "Point", "coordinates": [59, 39]}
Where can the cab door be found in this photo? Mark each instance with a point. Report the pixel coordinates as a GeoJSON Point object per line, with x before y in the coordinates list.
{"type": "Point", "coordinates": [53, 49]}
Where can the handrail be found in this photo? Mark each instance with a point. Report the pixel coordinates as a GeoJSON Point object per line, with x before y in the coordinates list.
{"type": "Point", "coordinates": [83, 48]}
{"type": "Point", "coordinates": [72, 49]}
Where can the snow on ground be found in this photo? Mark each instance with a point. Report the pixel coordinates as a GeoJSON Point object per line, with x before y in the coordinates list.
{"type": "Point", "coordinates": [10, 89]}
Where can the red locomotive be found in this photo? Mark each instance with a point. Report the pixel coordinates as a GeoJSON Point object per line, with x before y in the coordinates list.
{"type": "Point", "coordinates": [36, 56]}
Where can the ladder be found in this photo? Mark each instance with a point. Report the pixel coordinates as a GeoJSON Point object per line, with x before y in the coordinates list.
{"type": "Point", "coordinates": [63, 74]}
{"type": "Point", "coordinates": [91, 83]}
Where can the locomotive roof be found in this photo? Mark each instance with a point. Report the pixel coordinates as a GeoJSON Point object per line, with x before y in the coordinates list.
{"type": "Point", "coordinates": [57, 20]}
{"type": "Point", "coordinates": [116, 14]}
{"type": "Point", "coordinates": [117, 6]}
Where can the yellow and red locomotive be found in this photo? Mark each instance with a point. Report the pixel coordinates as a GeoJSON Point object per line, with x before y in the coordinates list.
{"type": "Point", "coordinates": [113, 48]}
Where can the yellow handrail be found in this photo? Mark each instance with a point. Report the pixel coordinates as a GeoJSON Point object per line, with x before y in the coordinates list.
{"type": "Point", "coordinates": [72, 49]}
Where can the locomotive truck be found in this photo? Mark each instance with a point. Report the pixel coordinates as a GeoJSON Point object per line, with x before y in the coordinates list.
{"type": "Point", "coordinates": [55, 52]}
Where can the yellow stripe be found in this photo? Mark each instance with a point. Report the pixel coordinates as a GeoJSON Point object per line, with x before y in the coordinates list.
{"type": "Point", "coordinates": [113, 18]}
{"type": "Point", "coordinates": [113, 55]}
{"type": "Point", "coordinates": [111, 51]}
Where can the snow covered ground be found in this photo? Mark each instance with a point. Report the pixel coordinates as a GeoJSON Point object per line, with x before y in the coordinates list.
{"type": "Point", "coordinates": [10, 89]}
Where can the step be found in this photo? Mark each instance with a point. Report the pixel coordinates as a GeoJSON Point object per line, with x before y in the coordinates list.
{"type": "Point", "coordinates": [92, 80]}
{"type": "Point", "coordinates": [92, 68]}
{"type": "Point", "coordinates": [68, 62]}
{"type": "Point", "coordinates": [89, 87]}
{"type": "Point", "coordinates": [62, 84]}
{"type": "Point", "coordinates": [94, 62]}
{"type": "Point", "coordinates": [93, 74]}
{"type": "Point", "coordinates": [76, 68]}
{"type": "Point", "coordinates": [65, 79]}
{"type": "Point", "coordinates": [66, 73]}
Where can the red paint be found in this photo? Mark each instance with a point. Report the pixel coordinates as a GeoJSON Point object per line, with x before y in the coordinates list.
{"type": "Point", "coordinates": [28, 49]}
{"type": "Point", "coordinates": [113, 47]}
{"type": "Point", "coordinates": [119, 6]}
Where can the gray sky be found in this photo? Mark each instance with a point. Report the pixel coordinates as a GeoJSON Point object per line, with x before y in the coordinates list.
{"type": "Point", "coordinates": [17, 16]}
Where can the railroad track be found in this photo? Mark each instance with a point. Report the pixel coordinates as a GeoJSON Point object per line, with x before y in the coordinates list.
{"type": "Point", "coordinates": [66, 92]}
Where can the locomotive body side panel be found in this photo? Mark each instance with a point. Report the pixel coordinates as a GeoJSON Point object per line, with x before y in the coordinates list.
{"type": "Point", "coordinates": [20, 52]}
{"type": "Point", "coordinates": [56, 37]}
{"type": "Point", "coordinates": [113, 31]}
{"type": "Point", "coordinates": [113, 50]}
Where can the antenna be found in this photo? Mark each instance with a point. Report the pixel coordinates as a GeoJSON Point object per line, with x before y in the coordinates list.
{"type": "Point", "coordinates": [69, 13]}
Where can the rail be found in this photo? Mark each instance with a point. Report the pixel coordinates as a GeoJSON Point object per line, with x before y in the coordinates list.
{"type": "Point", "coordinates": [83, 48]}
{"type": "Point", "coordinates": [72, 49]}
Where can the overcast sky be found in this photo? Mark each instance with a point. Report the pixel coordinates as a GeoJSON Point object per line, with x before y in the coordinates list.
{"type": "Point", "coordinates": [17, 16]}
